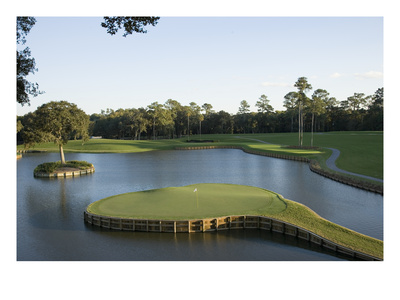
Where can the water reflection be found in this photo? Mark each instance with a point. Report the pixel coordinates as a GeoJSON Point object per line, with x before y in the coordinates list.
{"type": "Point", "coordinates": [50, 212]}
{"type": "Point", "coordinates": [234, 245]}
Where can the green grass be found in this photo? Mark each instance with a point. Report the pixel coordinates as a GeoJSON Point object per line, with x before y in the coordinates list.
{"type": "Point", "coordinates": [304, 217]}
{"type": "Point", "coordinates": [210, 200]}
{"type": "Point", "coordinates": [217, 200]}
{"type": "Point", "coordinates": [50, 167]}
{"type": "Point", "coordinates": [361, 152]}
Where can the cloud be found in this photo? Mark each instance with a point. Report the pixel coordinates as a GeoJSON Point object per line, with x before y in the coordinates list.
{"type": "Point", "coordinates": [336, 75]}
{"type": "Point", "coordinates": [276, 84]}
{"type": "Point", "coordinates": [369, 75]}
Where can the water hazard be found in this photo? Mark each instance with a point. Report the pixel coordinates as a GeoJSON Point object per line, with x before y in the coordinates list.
{"type": "Point", "coordinates": [50, 212]}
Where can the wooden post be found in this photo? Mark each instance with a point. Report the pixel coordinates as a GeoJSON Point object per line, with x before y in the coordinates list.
{"type": "Point", "coordinates": [174, 226]}
{"type": "Point", "coordinates": [216, 224]}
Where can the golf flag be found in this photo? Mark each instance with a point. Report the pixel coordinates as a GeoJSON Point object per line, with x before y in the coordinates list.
{"type": "Point", "coordinates": [197, 198]}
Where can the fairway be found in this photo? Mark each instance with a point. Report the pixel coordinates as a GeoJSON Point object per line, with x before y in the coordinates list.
{"type": "Point", "coordinates": [190, 202]}
{"type": "Point", "coordinates": [360, 151]}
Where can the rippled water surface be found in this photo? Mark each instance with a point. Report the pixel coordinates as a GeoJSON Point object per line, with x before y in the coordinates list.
{"type": "Point", "coordinates": [50, 212]}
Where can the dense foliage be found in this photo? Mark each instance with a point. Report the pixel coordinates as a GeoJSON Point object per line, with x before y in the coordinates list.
{"type": "Point", "coordinates": [172, 119]}
{"type": "Point", "coordinates": [25, 63]}
{"type": "Point", "coordinates": [56, 121]}
{"type": "Point", "coordinates": [130, 24]}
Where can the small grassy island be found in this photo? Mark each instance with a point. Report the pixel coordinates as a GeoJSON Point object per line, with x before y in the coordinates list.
{"type": "Point", "coordinates": [206, 201]}
{"type": "Point", "coordinates": [58, 169]}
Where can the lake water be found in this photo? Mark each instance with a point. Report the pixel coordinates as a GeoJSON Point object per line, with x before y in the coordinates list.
{"type": "Point", "coordinates": [50, 222]}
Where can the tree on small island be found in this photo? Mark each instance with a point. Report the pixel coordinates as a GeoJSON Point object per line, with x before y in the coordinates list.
{"type": "Point", "coordinates": [58, 122]}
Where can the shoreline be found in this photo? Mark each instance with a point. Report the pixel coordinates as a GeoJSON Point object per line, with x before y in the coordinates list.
{"type": "Point", "coordinates": [222, 223]}
{"type": "Point", "coordinates": [314, 167]}
{"type": "Point", "coordinates": [71, 172]}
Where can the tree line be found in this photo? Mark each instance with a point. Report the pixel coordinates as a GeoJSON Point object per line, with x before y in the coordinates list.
{"type": "Point", "coordinates": [173, 120]}
{"type": "Point", "coordinates": [317, 113]}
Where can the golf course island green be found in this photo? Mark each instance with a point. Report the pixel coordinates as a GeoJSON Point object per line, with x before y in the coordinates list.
{"type": "Point", "coordinates": [207, 204]}
{"type": "Point", "coordinates": [199, 201]}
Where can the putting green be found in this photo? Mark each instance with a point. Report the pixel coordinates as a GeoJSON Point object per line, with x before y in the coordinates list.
{"type": "Point", "coordinates": [190, 202]}
{"type": "Point", "coordinates": [208, 201]}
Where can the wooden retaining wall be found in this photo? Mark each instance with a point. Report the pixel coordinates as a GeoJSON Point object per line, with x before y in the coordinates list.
{"type": "Point", "coordinates": [65, 174]}
{"type": "Point", "coordinates": [220, 223]}
{"type": "Point", "coordinates": [31, 151]}
{"type": "Point", "coordinates": [314, 167]}
{"type": "Point", "coordinates": [274, 155]}
{"type": "Point", "coordinates": [375, 188]}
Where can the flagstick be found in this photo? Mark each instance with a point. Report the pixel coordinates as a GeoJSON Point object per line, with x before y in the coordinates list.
{"type": "Point", "coordinates": [197, 198]}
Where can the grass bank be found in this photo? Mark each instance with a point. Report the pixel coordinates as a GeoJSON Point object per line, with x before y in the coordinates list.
{"type": "Point", "coordinates": [203, 201]}
{"type": "Point", "coordinates": [360, 151]}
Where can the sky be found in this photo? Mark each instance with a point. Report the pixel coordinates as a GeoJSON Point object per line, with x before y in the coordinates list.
{"type": "Point", "coordinates": [215, 60]}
